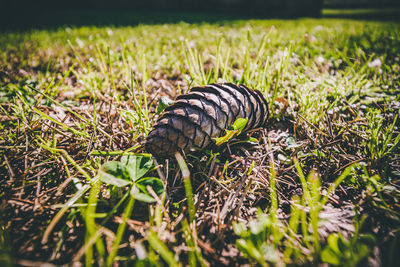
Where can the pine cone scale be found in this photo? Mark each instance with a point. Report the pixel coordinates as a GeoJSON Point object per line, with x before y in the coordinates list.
{"type": "Point", "coordinates": [204, 113]}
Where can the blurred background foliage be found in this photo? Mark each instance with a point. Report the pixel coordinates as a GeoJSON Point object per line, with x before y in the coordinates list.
{"type": "Point", "coordinates": [25, 15]}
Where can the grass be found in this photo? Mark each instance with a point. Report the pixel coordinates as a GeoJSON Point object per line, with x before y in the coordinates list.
{"type": "Point", "coordinates": [385, 14]}
{"type": "Point", "coordinates": [321, 184]}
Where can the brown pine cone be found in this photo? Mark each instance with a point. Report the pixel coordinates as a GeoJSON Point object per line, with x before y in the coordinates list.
{"type": "Point", "coordinates": [202, 114]}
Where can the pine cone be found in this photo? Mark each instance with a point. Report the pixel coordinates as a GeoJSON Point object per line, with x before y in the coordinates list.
{"type": "Point", "coordinates": [202, 114]}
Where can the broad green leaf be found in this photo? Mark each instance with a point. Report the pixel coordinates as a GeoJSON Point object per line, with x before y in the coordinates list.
{"type": "Point", "coordinates": [137, 165]}
{"type": "Point", "coordinates": [114, 173]}
{"type": "Point", "coordinates": [154, 182]}
{"type": "Point", "coordinates": [229, 134]}
{"type": "Point", "coordinates": [252, 140]}
{"type": "Point", "coordinates": [115, 168]}
{"type": "Point", "coordinates": [138, 195]}
{"type": "Point", "coordinates": [164, 103]}
{"type": "Point", "coordinates": [235, 130]}
{"type": "Point", "coordinates": [239, 124]}
{"type": "Point", "coordinates": [112, 180]}
{"type": "Point", "coordinates": [139, 190]}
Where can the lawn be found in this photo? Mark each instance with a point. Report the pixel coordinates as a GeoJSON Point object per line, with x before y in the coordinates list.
{"type": "Point", "coordinates": [320, 183]}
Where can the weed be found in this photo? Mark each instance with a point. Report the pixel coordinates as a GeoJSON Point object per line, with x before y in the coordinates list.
{"type": "Point", "coordinates": [77, 103]}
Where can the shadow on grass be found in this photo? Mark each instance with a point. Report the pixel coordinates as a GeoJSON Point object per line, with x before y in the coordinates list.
{"type": "Point", "coordinates": [27, 19]}
{"type": "Point", "coordinates": [372, 14]}
{"type": "Point", "coordinates": [14, 20]}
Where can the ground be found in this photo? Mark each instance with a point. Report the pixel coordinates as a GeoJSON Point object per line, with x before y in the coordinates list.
{"type": "Point", "coordinates": [319, 184]}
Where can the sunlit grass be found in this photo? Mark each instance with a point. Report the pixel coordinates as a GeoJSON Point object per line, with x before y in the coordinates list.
{"type": "Point", "coordinates": [75, 98]}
